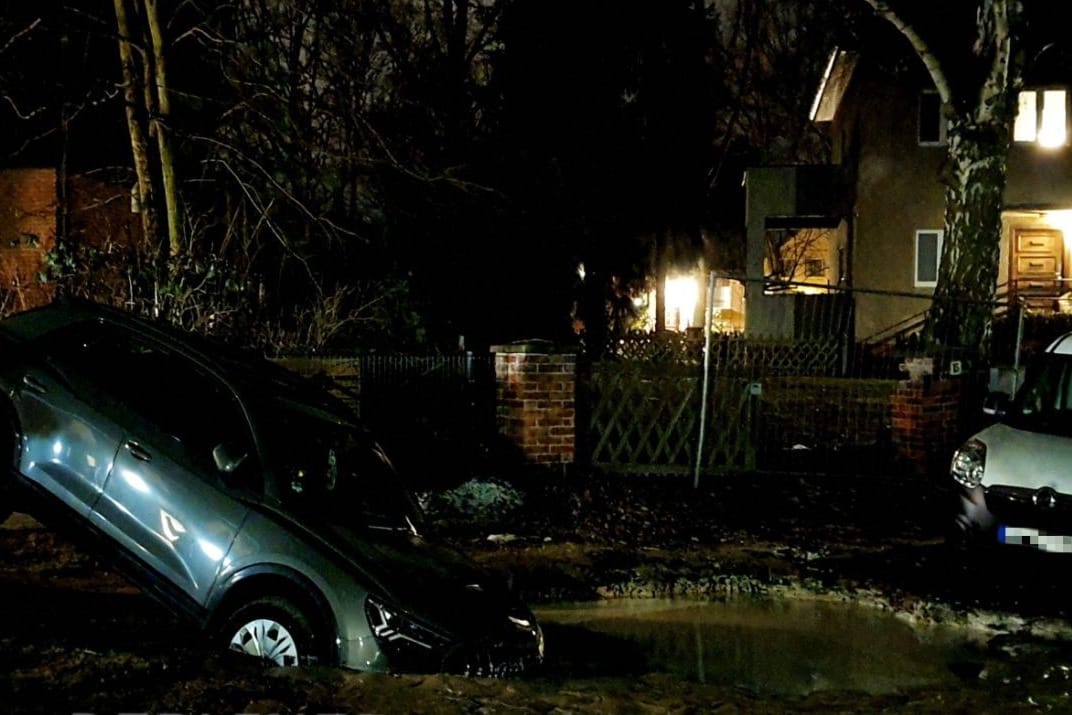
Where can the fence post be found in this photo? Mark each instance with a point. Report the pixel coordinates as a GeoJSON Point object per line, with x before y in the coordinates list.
{"type": "Point", "coordinates": [706, 378]}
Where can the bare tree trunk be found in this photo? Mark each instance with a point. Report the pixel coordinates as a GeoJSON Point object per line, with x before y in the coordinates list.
{"type": "Point", "coordinates": [967, 277]}
{"type": "Point", "coordinates": [979, 116]}
{"type": "Point", "coordinates": [163, 133]}
{"type": "Point", "coordinates": [139, 144]}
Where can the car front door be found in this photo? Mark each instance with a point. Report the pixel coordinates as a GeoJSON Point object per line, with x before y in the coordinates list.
{"type": "Point", "coordinates": [165, 501]}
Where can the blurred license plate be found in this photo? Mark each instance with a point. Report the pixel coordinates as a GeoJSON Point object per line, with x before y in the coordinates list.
{"type": "Point", "coordinates": [1023, 536]}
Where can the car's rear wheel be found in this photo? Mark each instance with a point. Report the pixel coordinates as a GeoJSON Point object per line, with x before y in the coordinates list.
{"type": "Point", "coordinates": [275, 629]}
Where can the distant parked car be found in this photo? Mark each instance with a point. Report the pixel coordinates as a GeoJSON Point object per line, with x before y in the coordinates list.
{"type": "Point", "coordinates": [240, 496]}
{"type": "Point", "coordinates": [1015, 477]}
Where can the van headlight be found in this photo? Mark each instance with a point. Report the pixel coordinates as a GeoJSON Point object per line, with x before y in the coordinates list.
{"type": "Point", "coordinates": [969, 463]}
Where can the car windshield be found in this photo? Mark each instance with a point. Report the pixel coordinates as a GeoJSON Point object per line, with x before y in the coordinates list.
{"type": "Point", "coordinates": [333, 471]}
{"type": "Point", "coordinates": [1044, 404]}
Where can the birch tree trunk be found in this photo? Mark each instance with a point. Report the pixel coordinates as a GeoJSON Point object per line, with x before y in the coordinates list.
{"type": "Point", "coordinates": [963, 299]}
{"type": "Point", "coordinates": [139, 143]}
{"type": "Point", "coordinates": [980, 109]}
{"type": "Point", "coordinates": [163, 133]}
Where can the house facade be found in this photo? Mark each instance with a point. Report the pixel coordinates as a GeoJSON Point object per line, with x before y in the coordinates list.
{"type": "Point", "coordinates": [888, 146]}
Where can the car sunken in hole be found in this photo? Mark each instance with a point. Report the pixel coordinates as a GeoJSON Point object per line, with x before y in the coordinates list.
{"type": "Point", "coordinates": [242, 497]}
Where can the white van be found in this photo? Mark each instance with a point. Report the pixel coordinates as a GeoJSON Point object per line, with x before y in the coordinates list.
{"type": "Point", "coordinates": [1015, 477]}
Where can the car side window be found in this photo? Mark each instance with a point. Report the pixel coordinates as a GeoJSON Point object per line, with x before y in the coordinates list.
{"type": "Point", "coordinates": [190, 410]}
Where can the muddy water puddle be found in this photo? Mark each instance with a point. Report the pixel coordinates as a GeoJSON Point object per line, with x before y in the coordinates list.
{"type": "Point", "coordinates": [769, 647]}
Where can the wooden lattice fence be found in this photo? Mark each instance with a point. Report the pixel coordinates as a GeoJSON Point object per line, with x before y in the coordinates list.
{"type": "Point", "coordinates": [734, 353]}
{"type": "Point", "coordinates": [773, 405]}
{"type": "Point", "coordinates": [645, 418]}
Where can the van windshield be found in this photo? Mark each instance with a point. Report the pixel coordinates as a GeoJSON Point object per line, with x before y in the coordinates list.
{"type": "Point", "coordinates": [1044, 403]}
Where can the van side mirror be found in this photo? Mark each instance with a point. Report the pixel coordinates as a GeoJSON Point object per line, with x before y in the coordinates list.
{"type": "Point", "coordinates": [227, 457]}
{"type": "Point", "coordinates": [996, 404]}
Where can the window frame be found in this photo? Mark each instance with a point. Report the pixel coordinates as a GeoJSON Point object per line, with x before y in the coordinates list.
{"type": "Point", "coordinates": [943, 123]}
{"type": "Point", "coordinates": [111, 388]}
{"type": "Point", "coordinates": [940, 233]}
{"type": "Point", "coordinates": [1039, 91]}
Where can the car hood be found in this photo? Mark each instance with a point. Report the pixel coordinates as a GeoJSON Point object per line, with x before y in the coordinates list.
{"type": "Point", "coordinates": [432, 582]}
{"type": "Point", "coordinates": [1022, 458]}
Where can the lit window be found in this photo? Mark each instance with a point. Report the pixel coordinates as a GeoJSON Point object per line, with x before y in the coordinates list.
{"type": "Point", "coordinates": [1052, 128]}
{"type": "Point", "coordinates": [682, 294]}
{"type": "Point", "coordinates": [1026, 127]}
{"type": "Point", "coordinates": [928, 257]}
{"type": "Point", "coordinates": [1042, 117]}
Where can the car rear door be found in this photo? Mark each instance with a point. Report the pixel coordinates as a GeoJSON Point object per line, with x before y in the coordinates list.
{"type": "Point", "coordinates": [164, 500]}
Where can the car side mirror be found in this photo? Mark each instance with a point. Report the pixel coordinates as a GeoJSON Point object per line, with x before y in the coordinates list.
{"type": "Point", "coordinates": [996, 404]}
{"type": "Point", "coordinates": [227, 457]}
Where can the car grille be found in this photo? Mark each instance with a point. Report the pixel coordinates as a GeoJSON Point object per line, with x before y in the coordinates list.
{"type": "Point", "coordinates": [497, 659]}
{"type": "Point", "coordinates": [487, 664]}
{"type": "Point", "coordinates": [1020, 506]}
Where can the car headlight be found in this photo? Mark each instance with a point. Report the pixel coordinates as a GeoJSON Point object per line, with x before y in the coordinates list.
{"type": "Point", "coordinates": [399, 634]}
{"type": "Point", "coordinates": [968, 465]}
{"type": "Point", "coordinates": [527, 624]}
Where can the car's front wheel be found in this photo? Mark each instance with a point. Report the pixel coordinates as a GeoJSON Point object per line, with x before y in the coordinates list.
{"type": "Point", "coordinates": [276, 629]}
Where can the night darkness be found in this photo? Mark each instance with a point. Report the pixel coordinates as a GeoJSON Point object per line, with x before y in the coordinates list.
{"type": "Point", "coordinates": [471, 184]}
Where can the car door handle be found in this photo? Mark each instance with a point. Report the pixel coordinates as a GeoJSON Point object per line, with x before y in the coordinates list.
{"type": "Point", "coordinates": [139, 452]}
{"type": "Point", "coordinates": [34, 384]}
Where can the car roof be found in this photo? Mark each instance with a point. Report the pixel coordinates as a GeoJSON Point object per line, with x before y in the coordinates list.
{"type": "Point", "coordinates": [1062, 345]}
{"type": "Point", "coordinates": [249, 372]}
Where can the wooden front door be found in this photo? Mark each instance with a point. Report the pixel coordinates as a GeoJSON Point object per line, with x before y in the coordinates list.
{"type": "Point", "coordinates": [1037, 264]}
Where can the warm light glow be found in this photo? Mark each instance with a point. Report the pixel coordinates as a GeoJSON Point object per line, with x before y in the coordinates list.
{"type": "Point", "coordinates": [1060, 220]}
{"type": "Point", "coordinates": [1025, 128]}
{"type": "Point", "coordinates": [682, 294]}
{"type": "Point", "coordinates": [1053, 131]}
{"type": "Point", "coordinates": [1050, 127]}
{"type": "Point", "coordinates": [723, 297]}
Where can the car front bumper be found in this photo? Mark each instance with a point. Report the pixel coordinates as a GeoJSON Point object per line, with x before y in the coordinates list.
{"type": "Point", "coordinates": [1040, 518]}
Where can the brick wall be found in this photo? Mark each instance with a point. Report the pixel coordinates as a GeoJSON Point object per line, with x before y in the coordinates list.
{"type": "Point", "coordinates": [99, 217]}
{"type": "Point", "coordinates": [536, 403]}
{"type": "Point", "coordinates": [27, 232]}
{"type": "Point", "coordinates": [926, 422]}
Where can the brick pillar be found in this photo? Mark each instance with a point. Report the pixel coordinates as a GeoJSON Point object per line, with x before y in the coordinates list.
{"type": "Point", "coordinates": [926, 422]}
{"type": "Point", "coordinates": [536, 400]}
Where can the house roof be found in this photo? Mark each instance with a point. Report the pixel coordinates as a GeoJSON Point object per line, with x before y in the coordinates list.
{"type": "Point", "coordinates": [833, 85]}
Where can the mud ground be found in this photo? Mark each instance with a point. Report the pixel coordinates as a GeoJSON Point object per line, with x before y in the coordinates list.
{"type": "Point", "coordinates": [77, 638]}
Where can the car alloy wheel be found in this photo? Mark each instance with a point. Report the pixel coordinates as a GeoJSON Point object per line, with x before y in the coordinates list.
{"type": "Point", "coordinates": [265, 638]}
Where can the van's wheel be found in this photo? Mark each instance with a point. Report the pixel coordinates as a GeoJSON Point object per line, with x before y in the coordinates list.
{"type": "Point", "coordinates": [276, 629]}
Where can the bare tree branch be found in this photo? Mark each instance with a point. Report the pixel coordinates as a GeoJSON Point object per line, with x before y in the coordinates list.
{"type": "Point", "coordinates": [922, 49]}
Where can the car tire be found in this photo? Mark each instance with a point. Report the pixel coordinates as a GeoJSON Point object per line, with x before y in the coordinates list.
{"type": "Point", "coordinates": [276, 629]}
